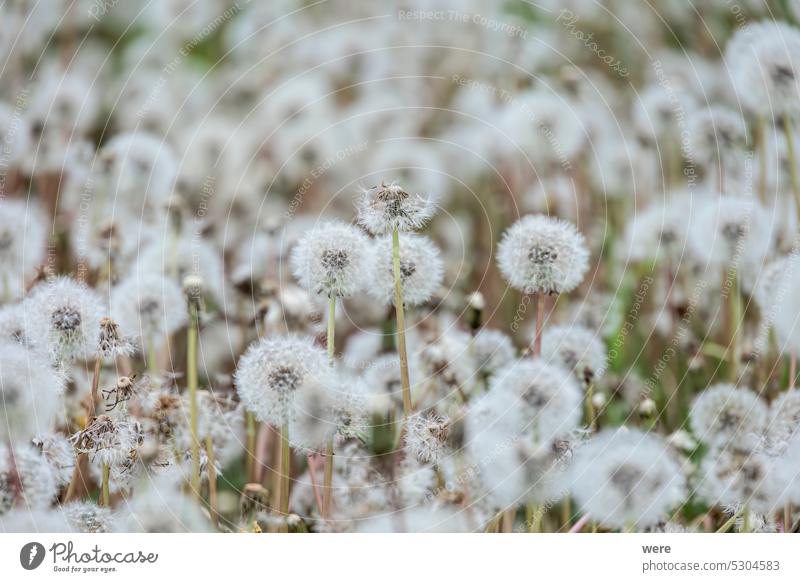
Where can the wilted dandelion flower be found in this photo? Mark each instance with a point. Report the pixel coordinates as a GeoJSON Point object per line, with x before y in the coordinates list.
{"type": "Point", "coordinates": [547, 396]}
{"type": "Point", "coordinates": [111, 343]}
{"type": "Point", "coordinates": [764, 60]}
{"type": "Point", "coordinates": [724, 415]}
{"type": "Point", "coordinates": [388, 207]}
{"type": "Point", "coordinates": [331, 259]}
{"type": "Point", "coordinates": [421, 269]}
{"type": "Point", "coordinates": [30, 393]}
{"type": "Point", "coordinates": [273, 372]}
{"type": "Point", "coordinates": [68, 314]}
{"type": "Point", "coordinates": [149, 306]}
{"type": "Point", "coordinates": [23, 237]}
{"type": "Point", "coordinates": [426, 436]}
{"type": "Point", "coordinates": [576, 348]}
{"type": "Point", "coordinates": [539, 254]}
{"type": "Point", "coordinates": [625, 478]}
{"type": "Point", "coordinates": [108, 439]}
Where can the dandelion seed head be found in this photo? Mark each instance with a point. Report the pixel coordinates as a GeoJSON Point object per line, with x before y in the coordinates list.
{"type": "Point", "coordinates": [331, 259]}
{"type": "Point", "coordinates": [539, 254]}
{"type": "Point", "coordinates": [59, 454]}
{"type": "Point", "coordinates": [149, 306]}
{"type": "Point", "coordinates": [88, 517]}
{"type": "Point", "coordinates": [68, 316]}
{"type": "Point", "coordinates": [624, 477]}
{"type": "Point", "coordinates": [493, 350]}
{"type": "Point", "coordinates": [421, 269]}
{"type": "Point", "coordinates": [23, 238]}
{"type": "Point", "coordinates": [547, 395]}
{"type": "Point", "coordinates": [724, 415]}
{"type": "Point", "coordinates": [272, 372]}
{"type": "Point", "coordinates": [388, 207]}
{"type": "Point", "coordinates": [763, 59]}
{"type": "Point", "coordinates": [729, 477]}
{"type": "Point", "coordinates": [30, 393]}
{"type": "Point", "coordinates": [31, 482]}
{"type": "Point", "coordinates": [576, 348]}
{"type": "Point", "coordinates": [108, 440]}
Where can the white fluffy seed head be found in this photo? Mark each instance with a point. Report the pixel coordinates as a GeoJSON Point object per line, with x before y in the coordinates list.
{"type": "Point", "coordinates": [493, 350]}
{"type": "Point", "coordinates": [331, 259]}
{"type": "Point", "coordinates": [426, 436]}
{"type": "Point", "coordinates": [660, 231]}
{"type": "Point", "coordinates": [88, 517]}
{"type": "Point", "coordinates": [735, 478]}
{"type": "Point", "coordinates": [161, 507]}
{"type": "Point", "coordinates": [576, 348]}
{"type": "Point", "coordinates": [273, 372]}
{"type": "Point", "coordinates": [148, 306]}
{"type": "Point", "coordinates": [68, 316]}
{"type": "Point", "coordinates": [23, 238]}
{"type": "Point", "coordinates": [32, 481]}
{"type": "Point", "coordinates": [732, 231]}
{"type": "Point", "coordinates": [540, 254]}
{"type": "Point", "coordinates": [30, 393]}
{"type": "Point", "coordinates": [547, 395]}
{"type": "Point", "coordinates": [764, 60]}
{"type": "Point", "coordinates": [625, 478]}
{"type": "Point", "coordinates": [388, 207]}
{"type": "Point", "coordinates": [421, 269]}
{"type": "Point", "coordinates": [726, 416]}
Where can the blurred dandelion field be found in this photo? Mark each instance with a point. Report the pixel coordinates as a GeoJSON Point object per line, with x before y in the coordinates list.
{"type": "Point", "coordinates": [416, 266]}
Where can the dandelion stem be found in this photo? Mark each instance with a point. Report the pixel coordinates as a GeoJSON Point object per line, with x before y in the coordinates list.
{"type": "Point", "coordinates": [761, 144]}
{"type": "Point", "coordinates": [745, 520]}
{"type": "Point", "coordinates": [152, 367]}
{"type": "Point", "coordinates": [795, 179]}
{"type": "Point", "coordinates": [734, 320]}
{"type": "Point", "coordinates": [401, 324]}
{"type": "Point", "coordinates": [212, 481]}
{"type": "Point", "coordinates": [104, 494]}
{"type": "Point", "coordinates": [95, 384]}
{"type": "Point", "coordinates": [538, 302]}
{"type": "Point", "coordinates": [284, 490]}
{"type": "Point", "coordinates": [191, 375]}
{"type": "Point", "coordinates": [250, 424]}
{"type": "Point", "coordinates": [312, 473]}
{"type": "Point", "coordinates": [328, 480]}
{"type": "Point", "coordinates": [787, 517]}
{"type": "Point", "coordinates": [328, 476]}
{"type": "Point", "coordinates": [729, 524]}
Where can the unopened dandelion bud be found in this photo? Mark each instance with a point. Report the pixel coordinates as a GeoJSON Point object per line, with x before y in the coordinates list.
{"type": "Point", "coordinates": [193, 289]}
{"type": "Point", "coordinates": [647, 407]}
{"type": "Point", "coordinates": [476, 303]}
{"type": "Point", "coordinates": [599, 400]}
{"type": "Point", "coordinates": [254, 499]}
